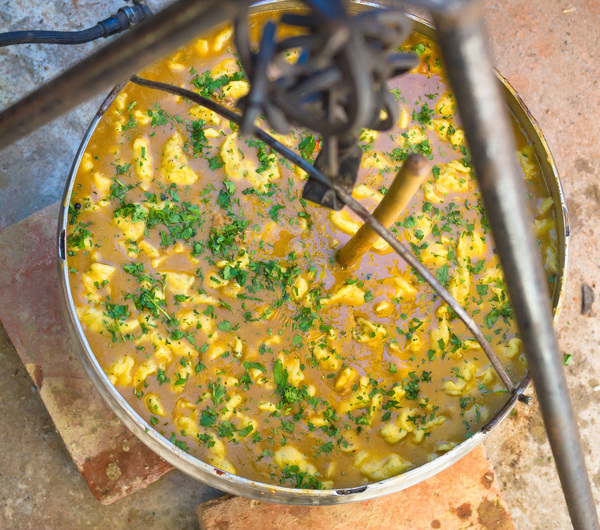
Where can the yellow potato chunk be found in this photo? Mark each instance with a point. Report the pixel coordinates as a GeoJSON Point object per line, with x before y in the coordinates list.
{"type": "Point", "coordinates": [121, 101]}
{"type": "Point", "coordinates": [295, 373]}
{"type": "Point", "coordinates": [404, 419]}
{"type": "Point", "coordinates": [202, 113]}
{"type": "Point", "coordinates": [367, 331]}
{"type": "Point", "coordinates": [395, 431]}
{"type": "Point", "coordinates": [132, 230]}
{"type": "Point", "coordinates": [552, 259]}
{"type": "Point", "coordinates": [442, 126]}
{"type": "Point", "coordinates": [142, 161]}
{"type": "Point", "coordinates": [267, 406]}
{"type": "Point", "coordinates": [119, 372]}
{"type": "Point", "coordinates": [236, 89]}
{"type": "Point", "coordinates": [98, 273]}
{"type": "Point", "coordinates": [460, 283]}
{"type": "Point", "coordinates": [235, 400]}
{"type": "Point", "coordinates": [344, 222]}
{"type": "Point", "coordinates": [327, 357]}
{"type": "Point", "coordinates": [403, 289]}
{"type": "Point", "coordinates": [477, 414]}
{"type": "Point", "coordinates": [145, 368]}
{"type": "Point", "coordinates": [291, 456]}
{"type": "Point", "coordinates": [246, 421]}
{"type": "Point", "coordinates": [181, 348]}
{"type": "Point", "coordinates": [465, 380]}
{"type": "Point", "coordinates": [87, 163]}
{"type": "Point", "coordinates": [177, 62]}
{"type": "Point", "coordinates": [444, 448]}
{"type": "Point", "coordinates": [142, 118]}
{"type": "Point", "coordinates": [546, 205]}
{"type": "Point", "coordinates": [458, 138]}
{"type": "Point", "coordinates": [431, 194]}
{"type": "Point", "coordinates": [93, 318]}
{"type": "Point", "coordinates": [436, 254]}
{"type": "Point", "coordinates": [97, 276]}
{"type": "Point", "coordinates": [415, 135]}
{"type": "Point", "coordinates": [383, 308]}
{"type": "Point", "coordinates": [415, 343]}
{"type": "Point", "coordinates": [351, 295]}
{"type": "Point", "coordinates": [376, 160]}
{"type": "Point", "coordinates": [528, 162]}
{"type": "Point", "coordinates": [404, 119]}
{"type": "Point", "coordinates": [359, 398]}
{"type": "Point", "coordinates": [368, 136]}
{"type": "Point", "coordinates": [201, 47]}
{"type": "Point", "coordinates": [238, 168]}
{"type": "Point", "coordinates": [380, 468]}
{"type": "Point", "coordinates": [186, 426]}
{"type": "Point", "coordinates": [470, 246]}
{"type": "Point", "coordinates": [299, 289]}
{"type": "Point", "coordinates": [222, 39]}
{"type": "Point", "coordinates": [392, 434]}
{"type": "Point", "coordinates": [194, 319]}
{"type": "Point", "coordinates": [446, 105]}
{"type": "Point", "coordinates": [154, 404]}
{"type": "Point", "coordinates": [226, 67]}
{"type": "Point", "coordinates": [350, 444]}
{"type": "Point", "coordinates": [179, 282]}
{"type": "Point", "coordinates": [513, 348]}
{"type": "Point", "coordinates": [181, 378]}
{"type": "Point", "coordinates": [148, 249]}
{"type": "Point", "coordinates": [231, 289]}
{"type": "Point", "coordinates": [486, 377]}
{"type": "Point", "coordinates": [362, 191]}
{"type": "Point", "coordinates": [222, 464]}
{"type": "Point", "coordinates": [440, 336]}
{"type": "Point", "coordinates": [420, 230]}
{"type": "Point", "coordinates": [345, 379]}
{"type": "Point", "coordinates": [544, 226]}
{"type": "Point", "coordinates": [453, 177]}
{"type": "Point", "coordinates": [102, 183]}
{"type": "Point", "coordinates": [174, 164]}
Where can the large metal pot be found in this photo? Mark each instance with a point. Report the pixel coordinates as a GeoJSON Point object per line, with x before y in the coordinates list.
{"type": "Point", "coordinates": [256, 490]}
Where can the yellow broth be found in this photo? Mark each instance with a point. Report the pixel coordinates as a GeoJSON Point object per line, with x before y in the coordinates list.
{"type": "Point", "coordinates": [209, 293]}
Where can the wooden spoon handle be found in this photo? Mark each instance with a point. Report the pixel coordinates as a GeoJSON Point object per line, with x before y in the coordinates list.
{"type": "Point", "coordinates": [413, 172]}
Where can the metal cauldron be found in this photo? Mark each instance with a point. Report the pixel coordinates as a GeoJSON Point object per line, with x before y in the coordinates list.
{"type": "Point", "coordinates": [261, 491]}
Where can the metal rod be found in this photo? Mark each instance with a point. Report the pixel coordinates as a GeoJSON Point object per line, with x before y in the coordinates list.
{"type": "Point", "coordinates": [413, 172]}
{"type": "Point", "coordinates": [151, 40]}
{"type": "Point", "coordinates": [356, 207]}
{"type": "Point", "coordinates": [490, 138]}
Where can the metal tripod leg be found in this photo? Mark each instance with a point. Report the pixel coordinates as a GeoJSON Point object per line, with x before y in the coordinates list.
{"type": "Point", "coordinates": [490, 139]}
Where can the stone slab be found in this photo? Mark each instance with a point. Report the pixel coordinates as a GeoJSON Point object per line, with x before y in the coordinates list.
{"type": "Point", "coordinates": [112, 461]}
{"type": "Point", "coordinates": [466, 495]}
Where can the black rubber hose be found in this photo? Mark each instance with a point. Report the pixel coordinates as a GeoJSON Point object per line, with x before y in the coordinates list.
{"type": "Point", "coordinates": [122, 20]}
{"type": "Point", "coordinates": [50, 37]}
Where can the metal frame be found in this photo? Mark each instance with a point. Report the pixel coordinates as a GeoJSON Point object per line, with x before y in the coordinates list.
{"type": "Point", "coordinates": [489, 136]}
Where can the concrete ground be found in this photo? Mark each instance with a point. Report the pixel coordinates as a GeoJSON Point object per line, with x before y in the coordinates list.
{"type": "Point", "coordinates": [548, 49]}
